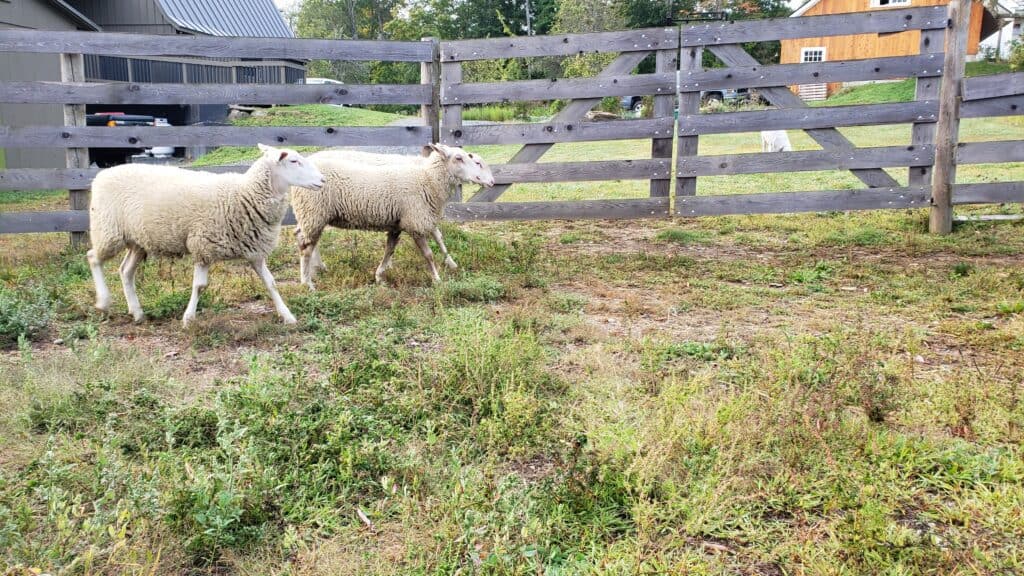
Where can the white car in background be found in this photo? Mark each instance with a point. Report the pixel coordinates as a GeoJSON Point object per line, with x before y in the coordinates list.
{"type": "Point", "coordinates": [161, 151]}
{"type": "Point", "coordinates": [322, 81]}
{"type": "Point", "coordinates": [325, 81]}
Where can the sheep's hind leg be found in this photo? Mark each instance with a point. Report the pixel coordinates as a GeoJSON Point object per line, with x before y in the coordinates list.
{"type": "Point", "coordinates": [389, 251]}
{"type": "Point", "coordinates": [200, 278]}
{"type": "Point", "coordinates": [102, 292]}
{"type": "Point", "coordinates": [129, 266]}
{"type": "Point", "coordinates": [428, 255]}
{"type": "Point", "coordinates": [448, 261]}
{"type": "Point", "coordinates": [260, 266]}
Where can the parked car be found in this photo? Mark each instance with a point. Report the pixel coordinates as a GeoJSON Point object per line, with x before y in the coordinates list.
{"type": "Point", "coordinates": [323, 81]}
{"type": "Point", "coordinates": [635, 103]}
{"type": "Point", "coordinates": [161, 151]}
{"type": "Point", "coordinates": [106, 157]}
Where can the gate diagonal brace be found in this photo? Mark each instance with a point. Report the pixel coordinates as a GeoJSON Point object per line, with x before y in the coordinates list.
{"type": "Point", "coordinates": [828, 138]}
{"type": "Point", "coordinates": [574, 111]}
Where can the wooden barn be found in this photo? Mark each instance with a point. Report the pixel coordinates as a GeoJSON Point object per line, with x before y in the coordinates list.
{"type": "Point", "coordinates": [855, 47]}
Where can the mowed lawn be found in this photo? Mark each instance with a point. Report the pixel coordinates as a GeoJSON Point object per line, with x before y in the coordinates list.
{"type": "Point", "coordinates": [760, 395]}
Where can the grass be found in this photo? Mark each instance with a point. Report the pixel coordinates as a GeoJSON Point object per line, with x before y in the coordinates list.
{"type": "Point", "coordinates": [811, 394]}
{"type": "Point", "coordinates": [303, 115]}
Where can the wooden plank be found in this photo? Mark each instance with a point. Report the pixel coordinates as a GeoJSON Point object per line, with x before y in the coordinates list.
{"type": "Point", "coordinates": [756, 75]}
{"type": "Point", "coordinates": [1002, 106]}
{"type": "Point", "coordinates": [762, 163]}
{"type": "Point", "coordinates": [877, 21]}
{"type": "Point", "coordinates": [823, 117]}
{"type": "Point", "coordinates": [986, 152]}
{"type": "Point", "coordinates": [74, 221]}
{"type": "Point", "coordinates": [72, 69]}
{"type": "Point", "coordinates": [63, 221]}
{"type": "Point", "coordinates": [782, 97]}
{"type": "Point", "coordinates": [135, 93]}
{"type": "Point", "coordinates": [988, 218]}
{"type": "Point", "coordinates": [582, 171]}
{"type": "Point", "coordinates": [689, 104]}
{"type": "Point", "coordinates": [947, 128]}
{"type": "Point", "coordinates": [563, 132]}
{"type": "Point", "coordinates": [574, 110]}
{"type": "Point", "coordinates": [646, 39]}
{"type": "Point", "coordinates": [993, 86]}
{"type": "Point", "coordinates": [792, 202]}
{"type": "Point", "coordinates": [665, 63]}
{"type": "Point", "coordinates": [118, 44]}
{"type": "Point", "coordinates": [931, 44]}
{"type": "Point", "coordinates": [561, 88]}
{"type": "Point", "coordinates": [575, 210]}
{"type": "Point", "coordinates": [989, 193]}
{"type": "Point", "coordinates": [147, 136]}
{"type": "Point", "coordinates": [451, 114]}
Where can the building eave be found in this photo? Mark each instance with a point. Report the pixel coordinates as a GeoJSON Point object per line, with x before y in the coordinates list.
{"type": "Point", "coordinates": [75, 15]}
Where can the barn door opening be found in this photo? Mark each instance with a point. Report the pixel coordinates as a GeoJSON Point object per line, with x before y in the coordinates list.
{"type": "Point", "coordinates": [813, 91]}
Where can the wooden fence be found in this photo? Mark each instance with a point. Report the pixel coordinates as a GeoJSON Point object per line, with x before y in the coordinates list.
{"type": "Point", "coordinates": [677, 81]}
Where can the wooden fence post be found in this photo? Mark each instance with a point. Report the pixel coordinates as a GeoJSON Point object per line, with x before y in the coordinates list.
{"type": "Point", "coordinates": [689, 103]}
{"type": "Point", "coordinates": [72, 69]}
{"type": "Point", "coordinates": [947, 127]}
{"type": "Point", "coordinates": [666, 61]}
{"type": "Point", "coordinates": [926, 88]}
{"type": "Point", "coordinates": [430, 73]}
{"type": "Point", "coordinates": [451, 114]}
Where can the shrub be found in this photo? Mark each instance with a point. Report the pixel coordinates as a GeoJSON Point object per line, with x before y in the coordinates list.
{"type": "Point", "coordinates": [23, 314]}
{"type": "Point", "coordinates": [1016, 58]}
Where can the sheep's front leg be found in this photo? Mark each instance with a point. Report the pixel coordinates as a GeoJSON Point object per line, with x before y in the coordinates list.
{"type": "Point", "coordinates": [389, 251]}
{"type": "Point", "coordinates": [448, 261]}
{"type": "Point", "coordinates": [102, 293]}
{"type": "Point", "coordinates": [129, 266]}
{"type": "Point", "coordinates": [316, 261]}
{"type": "Point", "coordinates": [428, 255]}
{"type": "Point", "coordinates": [309, 255]}
{"type": "Point", "coordinates": [200, 278]}
{"type": "Point", "coordinates": [260, 266]}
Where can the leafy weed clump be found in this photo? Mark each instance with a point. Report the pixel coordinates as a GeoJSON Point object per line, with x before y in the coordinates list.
{"type": "Point", "coordinates": [24, 314]}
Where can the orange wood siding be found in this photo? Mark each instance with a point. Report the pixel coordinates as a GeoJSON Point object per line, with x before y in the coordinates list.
{"type": "Point", "coordinates": [870, 45]}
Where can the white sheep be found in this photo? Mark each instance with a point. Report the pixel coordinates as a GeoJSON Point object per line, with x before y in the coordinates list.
{"type": "Point", "coordinates": [165, 211]}
{"type": "Point", "coordinates": [374, 159]}
{"type": "Point", "coordinates": [388, 193]}
{"type": "Point", "coordinates": [775, 141]}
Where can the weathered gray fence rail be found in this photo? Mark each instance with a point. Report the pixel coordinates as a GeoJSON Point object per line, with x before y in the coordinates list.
{"type": "Point", "coordinates": [677, 81]}
{"type": "Point", "coordinates": [569, 124]}
{"type": "Point", "coordinates": [724, 40]}
{"type": "Point", "coordinates": [75, 93]}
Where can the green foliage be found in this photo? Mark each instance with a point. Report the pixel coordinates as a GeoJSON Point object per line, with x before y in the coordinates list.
{"type": "Point", "coordinates": [495, 113]}
{"type": "Point", "coordinates": [1016, 58]}
{"type": "Point", "coordinates": [24, 313]}
{"type": "Point", "coordinates": [473, 288]}
{"type": "Point", "coordinates": [680, 236]}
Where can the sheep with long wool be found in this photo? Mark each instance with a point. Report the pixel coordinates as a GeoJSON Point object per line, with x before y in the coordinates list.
{"type": "Point", "coordinates": [388, 193]}
{"type": "Point", "coordinates": [166, 211]}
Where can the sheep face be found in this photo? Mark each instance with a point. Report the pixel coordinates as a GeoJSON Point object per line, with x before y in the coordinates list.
{"type": "Point", "coordinates": [292, 168]}
{"type": "Point", "coordinates": [463, 165]}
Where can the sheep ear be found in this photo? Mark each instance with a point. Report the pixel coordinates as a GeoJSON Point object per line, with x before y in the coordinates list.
{"type": "Point", "coordinates": [284, 154]}
{"type": "Point", "coordinates": [263, 148]}
{"type": "Point", "coordinates": [426, 150]}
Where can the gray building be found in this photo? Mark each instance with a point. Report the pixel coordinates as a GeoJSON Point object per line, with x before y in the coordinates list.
{"type": "Point", "coordinates": [252, 18]}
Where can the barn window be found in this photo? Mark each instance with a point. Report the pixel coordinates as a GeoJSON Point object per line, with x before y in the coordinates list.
{"type": "Point", "coordinates": [887, 3]}
{"type": "Point", "coordinates": [812, 54]}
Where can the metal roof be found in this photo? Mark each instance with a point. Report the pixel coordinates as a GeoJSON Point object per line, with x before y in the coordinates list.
{"type": "Point", "coordinates": [253, 18]}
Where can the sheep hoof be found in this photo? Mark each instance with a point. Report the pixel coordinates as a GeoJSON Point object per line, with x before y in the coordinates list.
{"type": "Point", "coordinates": [187, 319]}
{"type": "Point", "coordinates": [451, 263]}
{"type": "Point", "coordinates": [103, 306]}
{"type": "Point", "coordinates": [138, 317]}
{"type": "Point", "coordinates": [289, 319]}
